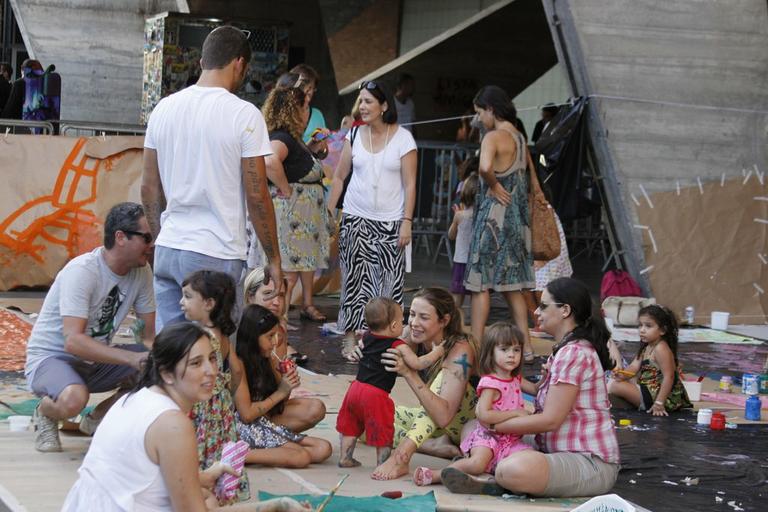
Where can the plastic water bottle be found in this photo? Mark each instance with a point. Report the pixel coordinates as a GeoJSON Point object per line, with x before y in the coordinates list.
{"type": "Point", "coordinates": [752, 408]}
{"type": "Point", "coordinates": [690, 315]}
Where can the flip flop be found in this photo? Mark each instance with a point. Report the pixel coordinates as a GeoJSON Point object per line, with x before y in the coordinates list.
{"type": "Point", "coordinates": [529, 357]}
{"type": "Point", "coordinates": [422, 476]}
{"type": "Point", "coordinates": [459, 482]}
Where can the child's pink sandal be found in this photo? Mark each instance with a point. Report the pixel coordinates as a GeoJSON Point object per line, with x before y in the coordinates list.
{"type": "Point", "coordinates": [422, 476]}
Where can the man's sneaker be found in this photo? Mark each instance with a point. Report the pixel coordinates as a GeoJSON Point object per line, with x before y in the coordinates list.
{"type": "Point", "coordinates": [88, 424]}
{"type": "Point", "coordinates": [46, 433]}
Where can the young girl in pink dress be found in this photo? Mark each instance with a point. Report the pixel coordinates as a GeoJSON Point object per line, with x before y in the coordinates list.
{"type": "Point", "coordinates": [501, 398]}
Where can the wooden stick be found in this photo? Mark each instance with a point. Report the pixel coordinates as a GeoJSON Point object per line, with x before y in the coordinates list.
{"type": "Point", "coordinates": [331, 494]}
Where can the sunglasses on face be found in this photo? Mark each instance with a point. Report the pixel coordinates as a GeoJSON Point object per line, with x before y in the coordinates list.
{"type": "Point", "coordinates": [146, 236]}
{"type": "Point", "coordinates": [544, 305]}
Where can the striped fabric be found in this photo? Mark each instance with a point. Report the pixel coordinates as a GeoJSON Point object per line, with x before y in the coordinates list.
{"type": "Point", "coordinates": [372, 265]}
{"type": "Point", "coordinates": [588, 428]}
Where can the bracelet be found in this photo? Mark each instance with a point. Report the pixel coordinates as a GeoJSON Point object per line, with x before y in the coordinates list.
{"type": "Point", "coordinates": [409, 220]}
{"type": "Point", "coordinates": [656, 402]}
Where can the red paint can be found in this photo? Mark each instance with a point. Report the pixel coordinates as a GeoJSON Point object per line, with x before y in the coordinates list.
{"type": "Point", "coordinates": [718, 421]}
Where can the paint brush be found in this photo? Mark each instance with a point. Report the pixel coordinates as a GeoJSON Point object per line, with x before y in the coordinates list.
{"type": "Point", "coordinates": [701, 378]}
{"type": "Point", "coordinates": [331, 494]}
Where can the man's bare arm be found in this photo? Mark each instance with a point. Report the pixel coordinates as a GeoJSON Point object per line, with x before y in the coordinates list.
{"type": "Point", "coordinates": [152, 194]}
{"type": "Point", "coordinates": [261, 211]}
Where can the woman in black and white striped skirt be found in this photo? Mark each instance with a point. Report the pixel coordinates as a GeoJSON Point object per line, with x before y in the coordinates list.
{"type": "Point", "coordinates": [378, 208]}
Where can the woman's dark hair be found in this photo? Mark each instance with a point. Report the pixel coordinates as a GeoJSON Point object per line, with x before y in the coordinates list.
{"type": "Point", "coordinates": [221, 288]}
{"type": "Point", "coordinates": [590, 325]}
{"type": "Point", "coordinates": [306, 71]}
{"type": "Point", "coordinates": [382, 93]}
{"type": "Point", "coordinates": [469, 190]}
{"type": "Point", "coordinates": [442, 300]}
{"type": "Point", "coordinates": [171, 346]}
{"type": "Point", "coordinates": [496, 99]}
{"type": "Point", "coordinates": [499, 334]}
{"type": "Point", "coordinates": [667, 322]}
{"type": "Point", "coordinates": [256, 321]}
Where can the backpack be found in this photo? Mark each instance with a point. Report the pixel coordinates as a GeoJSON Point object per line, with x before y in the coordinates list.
{"type": "Point", "coordinates": [618, 283]}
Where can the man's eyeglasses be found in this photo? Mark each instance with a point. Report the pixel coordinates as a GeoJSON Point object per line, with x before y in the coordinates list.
{"type": "Point", "coordinates": [544, 305]}
{"type": "Point", "coordinates": [368, 84]}
{"type": "Point", "coordinates": [146, 236]}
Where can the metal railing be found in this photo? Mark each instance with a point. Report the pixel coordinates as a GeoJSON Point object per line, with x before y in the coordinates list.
{"type": "Point", "coordinates": [95, 129]}
{"type": "Point", "coordinates": [19, 127]}
{"type": "Point", "coordinates": [436, 183]}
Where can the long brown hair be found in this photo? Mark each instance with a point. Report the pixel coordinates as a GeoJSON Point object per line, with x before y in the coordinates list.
{"type": "Point", "coordinates": [453, 332]}
{"type": "Point", "coordinates": [499, 334]}
{"type": "Point", "coordinates": [282, 111]}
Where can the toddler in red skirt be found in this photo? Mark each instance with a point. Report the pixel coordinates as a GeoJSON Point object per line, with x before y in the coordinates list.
{"type": "Point", "coordinates": [367, 406]}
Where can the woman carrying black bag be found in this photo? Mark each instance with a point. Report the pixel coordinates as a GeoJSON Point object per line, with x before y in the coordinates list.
{"type": "Point", "coordinates": [378, 208]}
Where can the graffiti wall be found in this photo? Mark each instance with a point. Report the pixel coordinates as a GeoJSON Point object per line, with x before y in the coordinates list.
{"type": "Point", "coordinates": [57, 192]}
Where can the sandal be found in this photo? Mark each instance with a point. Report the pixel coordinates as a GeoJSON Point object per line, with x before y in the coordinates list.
{"type": "Point", "coordinates": [529, 357]}
{"type": "Point", "coordinates": [459, 482]}
{"type": "Point", "coordinates": [312, 314]}
{"type": "Point", "coordinates": [422, 476]}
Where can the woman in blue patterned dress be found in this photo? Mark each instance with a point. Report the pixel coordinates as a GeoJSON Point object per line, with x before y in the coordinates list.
{"type": "Point", "coordinates": [500, 256]}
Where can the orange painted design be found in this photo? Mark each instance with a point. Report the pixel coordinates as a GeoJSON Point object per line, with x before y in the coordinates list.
{"type": "Point", "coordinates": [68, 211]}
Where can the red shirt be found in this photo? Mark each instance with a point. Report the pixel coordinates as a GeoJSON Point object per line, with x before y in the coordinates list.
{"type": "Point", "coordinates": [588, 428]}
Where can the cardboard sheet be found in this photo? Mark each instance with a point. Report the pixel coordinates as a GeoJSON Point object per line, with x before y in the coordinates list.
{"type": "Point", "coordinates": [56, 198]}
{"type": "Point", "coordinates": [706, 246]}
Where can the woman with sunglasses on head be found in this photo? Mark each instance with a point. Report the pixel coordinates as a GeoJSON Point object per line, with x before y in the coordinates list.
{"type": "Point", "coordinates": [298, 196]}
{"type": "Point", "coordinates": [579, 452]}
{"type": "Point", "coordinates": [378, 208]}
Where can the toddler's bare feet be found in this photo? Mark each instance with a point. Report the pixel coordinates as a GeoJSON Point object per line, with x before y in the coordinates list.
{"type": "Point", "coordinates": [349, 463]}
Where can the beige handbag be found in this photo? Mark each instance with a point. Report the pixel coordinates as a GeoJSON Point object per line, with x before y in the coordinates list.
{"type": "Point", "coordinates": [624, 310]}
{"type": "Point", "coordinates": [544, 233]}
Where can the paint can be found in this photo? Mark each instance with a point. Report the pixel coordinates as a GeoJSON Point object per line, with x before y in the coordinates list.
{"type": "Point", "coordinates": [704, 416]}
{"type": "Point", "coordinates": [752, 408]}
{"type": "Point", "coordinates": [750, 383]}
{"type": "Point", "coordinates": [726, 384]}
{"type": "Point", "coordinates": [718, 421]}
{"type": "Point", "coordinates": [690, 315]}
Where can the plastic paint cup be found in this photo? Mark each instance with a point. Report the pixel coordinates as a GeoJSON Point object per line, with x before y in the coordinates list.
{"type": "Point", "coordinates": [719, 320]}
{"type": "Point", "coordinates": [704, 417]}
{"type": "Point", "coordinates": [19, 423]}
{"type": "Point", "coordinates": [718, 421]}
{"type": "Point", "coordinates": [693, 389]}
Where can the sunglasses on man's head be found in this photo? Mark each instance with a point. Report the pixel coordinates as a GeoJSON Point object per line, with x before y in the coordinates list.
{"type": "Point", "coordinates": [146, 236]}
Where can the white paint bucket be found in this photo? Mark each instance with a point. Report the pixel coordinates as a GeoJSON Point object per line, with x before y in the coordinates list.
{"type": "Point", "coordinates": [719, 320]}
{"type": "Point", "coordinates": [693, 389]}
{"type": "Point", "coordinates": [19, 423]}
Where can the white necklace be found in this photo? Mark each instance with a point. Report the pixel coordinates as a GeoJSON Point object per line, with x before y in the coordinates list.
{"type": "Point", "coordinates": [377, 172]}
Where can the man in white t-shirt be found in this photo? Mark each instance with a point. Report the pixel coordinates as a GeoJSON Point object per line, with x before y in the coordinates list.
{"type": "Point", "coordinates": [69, 352]}
{"type": "Point", "coordinates": [203, 163]}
